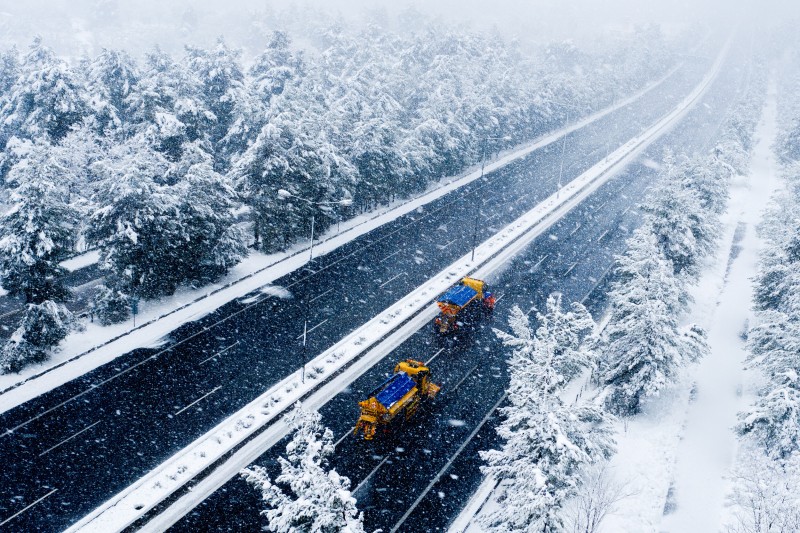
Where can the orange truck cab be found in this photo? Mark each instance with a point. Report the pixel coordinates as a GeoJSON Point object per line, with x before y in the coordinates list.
{"type": "Point", "coordinates": [459, 301]}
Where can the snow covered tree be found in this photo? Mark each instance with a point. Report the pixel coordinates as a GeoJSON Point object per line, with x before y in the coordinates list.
{"type": "Point", "coordinates": [213, 243]}
{"type": "Point", "coordinates": [111, 305]}
{"type": "Point", "coordinates": [545, 442]}
{"type": "Point", "coordinates": [286, 156]}
{"type": "Point", "coordinates": [642, 347]}
{"type": "Point", "coordinates": [167, 107]}
{"type": "Point", "coordinates": [774, 419]}
{"type": "Point", "coordinates": [46, 99]}
{"type": "Point", "coordinates": [38, 231]}
{"type": "Point", "coordinates": [307, 497]}
{"type": "Point", "coordinates": [571, 331]}
{"type": "Point", "coordinates": [682, 227]}
{"type": "Point", "coordinates": [44, 325]}
{"type": "Point", "coordinates": [137, 223]}
{"type": "Point", "coordinates": [113, 77]}
{"type": "Point", "coordinates": [764, 494]}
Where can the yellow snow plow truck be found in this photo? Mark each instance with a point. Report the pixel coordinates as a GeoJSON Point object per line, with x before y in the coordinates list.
{"type": "Point", "coordinates": [396, 399]}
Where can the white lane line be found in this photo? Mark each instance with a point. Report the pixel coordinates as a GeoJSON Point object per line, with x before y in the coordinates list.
{"type": "Point", "coordinates": [48, 450]}
{"type": "Point", "coordinates": [442, 247]}
{"type": "Point", "coordinates": [370, 474]}
{"type": "Point", "coordinates": [576, 229]}
{"type": "Point", "coordinates": [600, 238]}
{"type": "Point", "coordinates": [540, 261]}
{"type": "Point", "coordinates": [317, 297]}
{"type": "Point", "coordinates": [565, 274]}
{"type": "Point", "coordinates": [471, 370]}
{"type": "Point", "coordinates": [218, 353]}
{"type": "Point", "coordinates": [447, 466]}
{"type": "Point", "coordinates": [206, 395]}
{"type": "Point", "coordinates": [392, 279]}
{"type": "Point", "coordinates": [10, 431]}
{"type": "Point", "coordinates": [12, 517]}
{"type": "Point", "coordinates": [347, 434]}
{"type": "Point", "coordinates": [390, 255]}
{"type": "Point", "coordinates": [310, 330]}
{"type": "Point", "coordinates": [434, 357]}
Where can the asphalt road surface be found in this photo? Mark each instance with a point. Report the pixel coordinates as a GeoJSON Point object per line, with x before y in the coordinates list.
{"type": "Point", "coordinates": [69, 450]}
{"type": "Point", "coordinates": [419, 478]}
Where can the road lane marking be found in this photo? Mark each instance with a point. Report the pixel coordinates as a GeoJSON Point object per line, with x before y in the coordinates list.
{"type": "Point", "coordinates": [218, 353]}
{"type": "Point", "coordinates": [347, 434]}
{"type": "Point", "coordinates": [317, 297]}
{"type": "Point", "coordinates": [206, 395]}
{"type": "Point", "coordinates": [392, 279]}
{"type": "Point", "coordinates": [447, 466]}
{"type": "Point", "coordinates": [305, 333]}
{"type": "Point", "coordinates": [48, 450]}
{"type": "Point", "coordinates": [442, 247]}
{"type": "Point", "coordinates": [570, 269]}
{"type": "Point", "coordinates": [434, 357]}
{"type": "Point", "coordinates": [390, 255]}
{"type": "Point", "coordinates": [12, 517]}
{"type": "Point", "coordinates": [534, 267]}
{"type": "Point", "coordinates": [370, 474]}
{"type": "Point", "coordinates": [471, 370]}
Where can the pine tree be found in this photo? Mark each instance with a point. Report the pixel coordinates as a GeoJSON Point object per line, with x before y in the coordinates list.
{"type": "Point", "coordinates": [43, 326]}
{"type": "Point", "coordinates": [38, 231]}
{"type": "Point", "coordinates": [675, 216]}
{"type": "Point", "coordinates": [113, 77]}
{"type": "Point", "coordinates": [641, 344]}
{"type": "Point", "coordinates": [46, 99]}
{"type": "Point", "coordinates": [545, 442]}
{"type": "Point", "coordinates": [307, 497]}
{"type": "Point", "coordinates": [167, 107]}
{"type": "Point", "coordinates": [223, 92]}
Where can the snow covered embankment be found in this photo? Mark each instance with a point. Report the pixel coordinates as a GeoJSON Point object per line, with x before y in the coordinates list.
{"type": "Point", "coordinates": [245, 432]}
{"type": "Point", "coordinates": [676, 455]}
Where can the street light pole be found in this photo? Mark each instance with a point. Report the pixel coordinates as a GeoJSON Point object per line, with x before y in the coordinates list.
{"type": "Point", "coordinates": [311, 247]}
{"type": "Point", "coordinates": [563, 150]}
{"type": "Point", "coordinates": [344, 202]}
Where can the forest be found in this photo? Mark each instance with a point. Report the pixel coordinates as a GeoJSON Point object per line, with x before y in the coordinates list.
{"type": "Point", "coordinates": [171, 166]}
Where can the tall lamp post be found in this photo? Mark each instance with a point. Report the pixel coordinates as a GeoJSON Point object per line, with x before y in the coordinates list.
{"type": "Point", "coordinates": [483, 165]}
{"type": "Point", "coordinates": [283, 194]}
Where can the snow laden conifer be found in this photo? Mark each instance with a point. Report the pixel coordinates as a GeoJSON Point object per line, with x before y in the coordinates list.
{"type": "Point", "coordinates": [680, 223]}
{"type": "Point", "coordinates": [545, 441]}
{"type": "Point", "coordinates": [307, 496]}
{"type": "Point", "coordinates": [38, 231]}
{"type": "Point", "coordinates": [36, 234]}
{"type": "Point", "coordinates": [642, 346]}
{"type": "Point", "coordinates": [46, 99]}
{"type": "Point", "coordinates": [774, 342]}
{"type": "Point", "coordinates": [112, 80]}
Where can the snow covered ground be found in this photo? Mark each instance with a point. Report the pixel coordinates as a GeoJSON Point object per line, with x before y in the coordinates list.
{"type": "Point", "coordinates": [677, 454]}
{"type": "Point", "coordinates": [675, 457]}
{"type": "Point", "coordinates": [96, 345]}
{"type": "Point", "coordinates": [395, 324]}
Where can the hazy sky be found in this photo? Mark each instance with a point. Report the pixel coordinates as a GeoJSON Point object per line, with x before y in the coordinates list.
{"type": "Point", "coordinates": [74, 27]}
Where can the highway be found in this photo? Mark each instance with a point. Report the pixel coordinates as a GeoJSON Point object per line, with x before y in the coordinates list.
{"type": "Point", "coordinates": [69, 450]}
{"type": "Point", "coordinates": [419, 478]}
